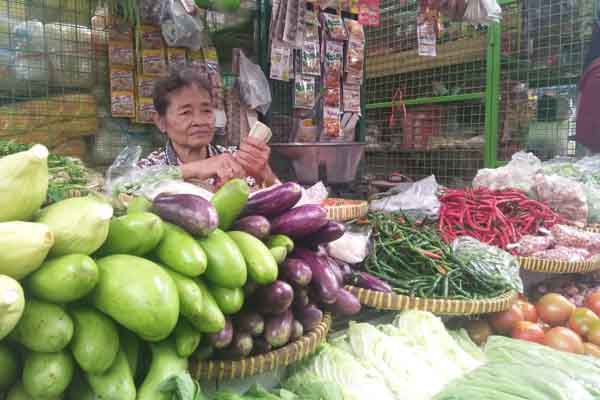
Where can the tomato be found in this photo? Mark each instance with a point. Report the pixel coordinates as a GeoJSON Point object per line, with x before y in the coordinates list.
{"type": "Point", "coordinates": [529, 312]}
{"type": "Point", "coordinates": [527, 330]}
{"type": "Point", "coordinates": [581, 320]}
{"type": "Point", "coordinates": [591, 349]}
{"type": "Point", "coordinates": [564, 339]}
{"type": "Point", "coordinates": [554, 309]}
{"type": "Point", "coordinates": [593, 335]}
{"type": "Point", "coordinates": [479, 330]}
{"type": "Point", "coordinates": [503, 322]}
{"type": "Point", "coordinates": [592, 301]}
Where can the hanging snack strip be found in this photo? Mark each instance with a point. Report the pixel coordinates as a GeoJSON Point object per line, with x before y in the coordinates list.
{"type": "Point", "coordinates": [355, 54]}
{"type": "Point", "coordinates": [304, 92]}
{"type": "Point", "coordinates": [280, 61]}
{"type": "Point", "coordinates": [122, 61]}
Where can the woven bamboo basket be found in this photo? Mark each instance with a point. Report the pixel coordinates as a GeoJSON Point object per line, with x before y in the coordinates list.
{"type": "Point", "coordinates": [347, 211]}
{"type": "Point", "coordinates": [392, 301]}
{"type": "Point", "coordinates": [557, 267]}
{"type": "Point", "coordinates": [293, 352]}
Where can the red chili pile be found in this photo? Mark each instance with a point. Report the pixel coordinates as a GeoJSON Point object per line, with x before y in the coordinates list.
{"type": "Point", "coordinates": [494, 217]}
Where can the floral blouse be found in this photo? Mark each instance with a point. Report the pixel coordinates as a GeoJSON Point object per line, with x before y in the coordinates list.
{"type": "Point", "coordinates": [167, 156]}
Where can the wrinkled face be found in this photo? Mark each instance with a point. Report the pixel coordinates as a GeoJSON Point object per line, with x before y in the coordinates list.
{"type": "Point", "coordinates": [189, 120]}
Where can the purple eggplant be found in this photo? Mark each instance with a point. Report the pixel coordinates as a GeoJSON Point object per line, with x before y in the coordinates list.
{"type": "Point", "coordinates": [223, 338]}
{"type": "Point", "coordinates": [240, 347]}
{"type": "Point", "coordinates": [297, 330]}
{"type": "Point", "coordinates": [331, 232]}
{"type": "Point", "coordinates": [274, 202]}
{"type": "Point", "coordinates": [324, 280]}
{"type": "Point", "coordinates": [347, 271]}
{"type": "Point", "coordinates": [367, 281]}
{"type": "Point", "coordinates": [335, 268]}
{"type": "Point", "coordinates": [300, 221]}
{"type": "Point", "coordinates": [192, 213]}
{"type": "Point", "coordinates": [301, 299]}
{"type": "Point", "coordinates": [250, 322]}
{"type": "Point", "coordinates": [345, 304]}
{"type": "Point", "coordinates": [296, 272]}
{"type": "Point", "coordinates": [261, 346]}
{"type": "Point", "coordinates": [310, 317]}
{"type": "Point", "coordinates": [274, 298]}
{"type": "Point", "coordinates": [278, 328]}
{"type": "Point", "coordinates": [256, 225]}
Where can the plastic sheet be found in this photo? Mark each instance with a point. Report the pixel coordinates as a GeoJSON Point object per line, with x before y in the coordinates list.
{"type": "Point", "coordinates": [519, 173]}
{"type": "Point", "coordinates": [529, 244]}
{"type": "Point", "coordinates": [561, 253]}
{"type": "Point", "coordinates": [565, 196]}
{"type": "Point", "coordinates": [418, 200]}
{"type": "Point", "coordinates": [254, 86]}
{"type": "Point", "coordinates": [353, 247]}
{"type": "Point", "coordinates": [180, 28]}
{"type": "Point", "coordinates": [570, 236]}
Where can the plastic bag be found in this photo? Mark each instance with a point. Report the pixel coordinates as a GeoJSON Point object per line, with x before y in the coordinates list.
{"type": "Point", "coordinates": [570, 236]}
{"type": "Point", "coordinates": [519, 173]}
{"type": "Point", "coordinates": [529, 244]}
{"type": "Point", "coordinates": [482, 12]}
{"type": "Point", "coordinates": [489, 263]}
{"type": "Point", "coordinates": [416, 200]}
{"type": "Point", "coordinates": [254, 86]}
{"type": "Point", "coordinates": [180, 28]}
{"type": "Point", "coordinates": [315, 194]}
{"type": "Point", "coordinates": [565, 196]}
{"type": "Point", "coordinates": [561, 253]}
{"type": "Point", "coordinates": [353, 247]}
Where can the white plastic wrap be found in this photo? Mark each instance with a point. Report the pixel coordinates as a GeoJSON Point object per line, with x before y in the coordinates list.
{"type": "Point", "coordinates": [482, 12]}
{"type": "Point", "coordinates": [180, 28]}
{"type": "Point", "coordinates": [353, 247]}
{"type": "Point", "coordinates": [519, 173]}
{"type": "Point", "coordinates": [417, 201]}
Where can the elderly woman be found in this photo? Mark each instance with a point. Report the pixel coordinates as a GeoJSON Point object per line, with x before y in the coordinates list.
{"type": "Point", "coordinates": [185, 114]}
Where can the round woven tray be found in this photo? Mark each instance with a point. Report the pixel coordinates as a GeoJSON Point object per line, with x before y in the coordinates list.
{"type": "Point", "coordinates": [392, 301]}
{"type": "Point", "coordinates": [557, 267]}
{"type": "Point", "coordinates": [289, 354]}
{"type": "Point", "coordinates": [347, 212]}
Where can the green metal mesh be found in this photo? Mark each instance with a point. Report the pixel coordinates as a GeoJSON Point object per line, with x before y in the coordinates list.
{"type": "Point", "coordinates": [541, 63]}
{"type": "Point", "coordinates": [443, 129]}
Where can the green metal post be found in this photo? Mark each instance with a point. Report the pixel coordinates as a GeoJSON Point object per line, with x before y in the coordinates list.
{"type": "Point", "coordinates": [263, 34]}
{"type": "Point", "coordinates": [492, 96]}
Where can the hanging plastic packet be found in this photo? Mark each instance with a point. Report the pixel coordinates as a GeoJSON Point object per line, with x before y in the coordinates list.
{"type": "Point", "coordinates": [290, 29]}
{"type": "Point", "coordinates": [154, 62]}
{"type": "Point", "coordinates": [369, 12]}
{"type": "Point", "coordinates": [150, 37]}
{"type": "Point", "coordinates": [121, 79]}
{"type": "Point", "coordinates": [145, 111]}
{"type": "Point", "coordinates": [121, 53]}
{"type": "Point", "coordinates": [351, 98]}
{"type": "Point", "coordinates": [355, 54]}
{"type": "Point", "coordinates": [332, 128]}
{"type": "Point", "coordinates": [334, 26]}
{"type": "Point", "coordinates": [311, 26]}
{"type": "Point", "coordinates": [280, 61]}
{"type": "Point", "coordinates": [181, 25]}
{"type": "Point", "coordinates": [304, 92]}
{"type": "Point", "coordinates": [426, 36]}
{"type": "Point", "coordinates": [332, 97]}
{"type": "Point", "coordinates": [122, 104]}
{"type": "Point", "coordinates": [334, 61]}
{"type": "Point", "coordinates": [145, 85]}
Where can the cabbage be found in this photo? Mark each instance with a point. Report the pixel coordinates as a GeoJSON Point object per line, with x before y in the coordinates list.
{"type": "Point", "coordinates": [80, 225]}
{"type": "Point", "coordinates": [23, 247]}
{"type": "Point", "coordinates": [333, 364]}
{"type": "Point", "coordinates": [12, 303]}
{"type": "Point", "coordinates": [23, 183]}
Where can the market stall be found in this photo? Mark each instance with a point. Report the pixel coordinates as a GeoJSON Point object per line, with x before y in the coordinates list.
{"type": "Point", "coordinates": [129, 282]}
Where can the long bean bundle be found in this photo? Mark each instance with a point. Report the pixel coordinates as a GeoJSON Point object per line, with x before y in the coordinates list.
{"type": "Point", "coordinates": [415, 261]}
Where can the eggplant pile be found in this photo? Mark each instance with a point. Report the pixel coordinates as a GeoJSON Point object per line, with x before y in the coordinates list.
{"type": "Point", "coordinates": [288, 280]}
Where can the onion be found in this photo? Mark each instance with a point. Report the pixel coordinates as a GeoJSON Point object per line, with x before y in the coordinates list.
{"type": "Point", "coordinates": [504, 321]}
{"type": "Point", "coordinates": [530, 331]}
{"type": "Point", "coordinates": [554, 309]}
{"type": "Point", "coordinates": [529, 312]}
{"type": "Point", "coordinates": [479, 331]}
{"type": "Point", "coordinates": [592, 301]}
{"type": "Point", "coordinates": [564, 339]}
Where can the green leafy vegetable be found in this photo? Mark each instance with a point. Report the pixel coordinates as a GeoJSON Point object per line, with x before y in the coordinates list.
{"type": "Point", "coordinates": [182, 387]}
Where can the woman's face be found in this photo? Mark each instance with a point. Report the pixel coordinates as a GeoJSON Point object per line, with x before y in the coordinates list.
{"type": "Point", "coordinates": [189, 120]}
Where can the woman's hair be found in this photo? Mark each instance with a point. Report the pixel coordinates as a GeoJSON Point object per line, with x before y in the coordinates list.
{"type": "Point", "coordinates": [176, 80]}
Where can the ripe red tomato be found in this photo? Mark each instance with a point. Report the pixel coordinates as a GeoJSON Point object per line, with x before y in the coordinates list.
{"type": "Point", "coordinates": [581, 320]}
{"type": "Point", "coordinates": [593, 335]}
{"type": "Point", "coordinates": [529, 312]}
{"type": "Point", "coordinates": [527, 330]}
{"type": "Point", "coordinates": [554, 309]}
{"type": "Point", "coordinates": [503, 322]}
{"type": "Point", "coordinates": [564, 339]}
{"type": "Point", "coordinates": [592, 301]}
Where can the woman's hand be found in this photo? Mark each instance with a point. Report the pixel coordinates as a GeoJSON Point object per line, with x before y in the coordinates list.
{"type": "Point", "coordinates": [253, 156]}
{"type": "Point", "coordinates": [223, 167]}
